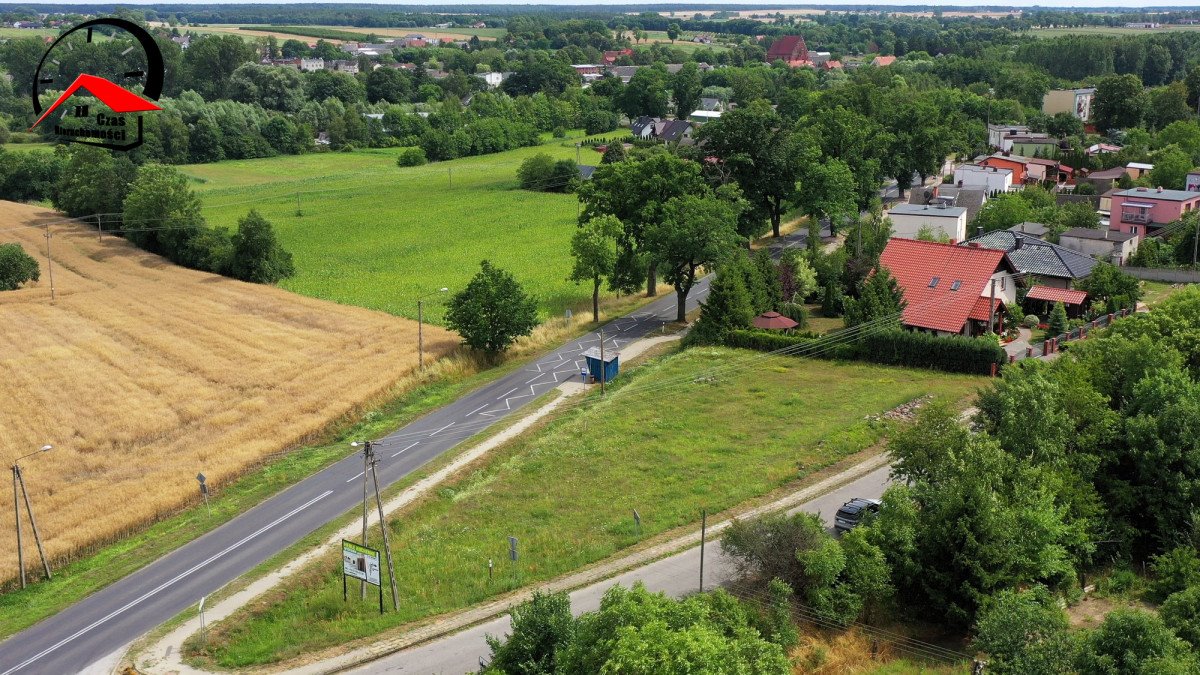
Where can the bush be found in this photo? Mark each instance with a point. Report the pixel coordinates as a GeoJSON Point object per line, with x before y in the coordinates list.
{"type": "Point", "coordinates": [541, 173]}
{"type": "Point", "coordinates": [411, 157]}
{"type": "Point", "coordinates": [955, 354]}
{"type": "Point", "coordinates": [1132, 641]}
{"type": "Point", "coordinates": [1057, 323]}
{"type": "Point", "coordinates": [1024, 633]}
{"type": "Point", "coordinates": [599, 121]}
{"type": "Point", "coordinates": [796, 312]}
{"type": "Point", "coordinates": [16, 267]}
{"type": "Point", "coordinates": [559, 132]}
{"type": "Point", "coordinates": [1174, 571]}
{"type": "Point", "coordinates": [1031, 321]}
{"type": "Point", "coordinates": [257, 254]}
{"type": "Point", "coordinates": [1181, 613]}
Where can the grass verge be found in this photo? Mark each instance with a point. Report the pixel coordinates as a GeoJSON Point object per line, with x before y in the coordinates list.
{"type": "Point", "coordinates": [567, 492]}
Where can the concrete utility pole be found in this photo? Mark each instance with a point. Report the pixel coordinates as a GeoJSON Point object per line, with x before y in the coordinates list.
{"type": "Point", "coordinates": [703, 532]}
{"type": "Point", "coordinates": [387, 546]}
{"type": "Point", "coordinates": [19, 483]}
{"type": "Point", "coordinates": [366, 466]}
{"type": "Point", "coordinates": [602, 373]}
{"type": "Point", "coordinates": [49, 263]}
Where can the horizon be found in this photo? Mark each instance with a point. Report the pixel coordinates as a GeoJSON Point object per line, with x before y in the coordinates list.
{"type": "Point", "coordinates": [1082, 5]}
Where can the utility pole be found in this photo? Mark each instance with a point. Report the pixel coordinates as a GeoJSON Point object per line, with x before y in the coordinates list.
{"type": "Point", "coordinates": [19, 483]}
{"type": "Point", "coordinates": [49, 263]}
{"type": "Point", "coordinates": [366, 459]}
{"type": "Point", "coordinates": [602, 365]}
{"type": "Point", "coordinates": [387, 546]}
{"type": "Point", "coordinates": [577, 152]}
{"type": "Point", "coordinates": [703, 532]}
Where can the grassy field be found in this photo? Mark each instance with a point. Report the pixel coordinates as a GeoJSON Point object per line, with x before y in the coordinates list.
{"type": "Point", "coordinates": [376, 235]}
{"type": "Point", "coordinates": [142, 373]}
{"type": "Point", "coordinates": [566, 491]}
{"type": "Point", "coordinates": [1155, 292]}
{"type": "Point", "coordinates": [6, 32]}
{"type": "Point", "coordinates": [350, 32]}
{"type": "Point", "coordinates": [1106, 30]}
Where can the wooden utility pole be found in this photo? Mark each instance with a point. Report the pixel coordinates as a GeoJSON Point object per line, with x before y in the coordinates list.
{"type": "Point", "coordinates": [18, 479]}
{"type": "Point", "coordinates": [387, 546]}
{"type": "Point", "coordinates": [49, 263]}
{"type": "Point", "coordinates": [17, 521]}
{"type": "Point", "coordinates": [992, 308]}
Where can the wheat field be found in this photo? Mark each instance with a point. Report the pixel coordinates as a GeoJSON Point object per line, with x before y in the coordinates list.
{"type": "Point", "coordinates": [142, 374]}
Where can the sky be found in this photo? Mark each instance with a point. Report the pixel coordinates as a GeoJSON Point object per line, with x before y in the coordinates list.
{"type": "Point", "coordinates": [1047, 4]}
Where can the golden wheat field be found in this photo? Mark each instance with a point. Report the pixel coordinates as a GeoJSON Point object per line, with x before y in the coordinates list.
{"type": "Point", "coordinates": [142, 374]}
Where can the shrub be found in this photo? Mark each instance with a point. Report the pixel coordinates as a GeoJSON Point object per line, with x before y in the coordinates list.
{"type": "Point", "coordinates": [16, 267]}
{"type": "Point", "coordinates": [1031, 321]}
{"type": "Point", "coordinates": [257, 254]}
{"type": "Point", "coordinates": [1174, 571]}
{"type": "Point", "coordinates": [1131, 641]}
{"type": "Point", "coordinates": [796, 312]}
{"type": "Point", "coordinates": [1181, 613]}
{"type": "Point", "coordinates": [953, 354]}
{"type": "Point", "coordinates": [559, 132]}
{"type": "Point", "coordinates": [543, 174]}
{"type": "Point", "coordinates": [1024, 633]}
{"type": "Point", "coordinates": [411, 157]}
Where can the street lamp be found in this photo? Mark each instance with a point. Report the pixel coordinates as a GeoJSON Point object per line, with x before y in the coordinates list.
{"type": "Point", "coordinates": [19, 481]}
{"type": "Point", "coordinates": [420, 325]}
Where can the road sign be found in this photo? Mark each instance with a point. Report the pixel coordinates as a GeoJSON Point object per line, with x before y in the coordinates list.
{"type": "Point", "coordinates": [360, 562]}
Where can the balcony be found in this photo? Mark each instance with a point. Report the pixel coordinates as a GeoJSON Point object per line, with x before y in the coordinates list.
{"type": "Point", "coordinates": [1136, 217]}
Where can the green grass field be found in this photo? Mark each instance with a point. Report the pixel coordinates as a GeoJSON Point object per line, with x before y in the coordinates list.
{"type": "Point", "coordinates": [377, 235]}
{"type": "Point", "coordinates": [6, 32]}
{"type": "Point", "coordinates": [566, 490]}
{"type": "Point", "coordinates": [1106, 30]}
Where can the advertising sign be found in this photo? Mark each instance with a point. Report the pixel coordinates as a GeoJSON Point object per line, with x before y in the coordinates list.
{"type": "Point", "coordinates": [360, 562]}
{"type": "Point", "coordinates": [1192, 183]}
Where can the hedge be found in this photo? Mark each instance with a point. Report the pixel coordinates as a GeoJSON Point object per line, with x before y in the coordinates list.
{"type": "Point", "coordinates": [954, 354]}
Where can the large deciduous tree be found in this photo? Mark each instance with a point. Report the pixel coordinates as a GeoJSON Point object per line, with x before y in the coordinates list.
{"type": "Point", "coordinates": [594, 248]}
{"type": "Point", "coordinates": [1120, 102]}
{"type": "Point", "coordinates": [695, 232]}
{"type": "Point", "coordinates": [492, 311]}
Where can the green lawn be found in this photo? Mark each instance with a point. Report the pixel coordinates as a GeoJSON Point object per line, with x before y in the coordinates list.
{"type": "Point", "coordinates": [1155, 292]}
{"type": "Point", "coordinates": [567, 491]}
{"type": "Point", "coordinates": [377, 235]}
{"type": "Point", "coordinates": [6, 32]}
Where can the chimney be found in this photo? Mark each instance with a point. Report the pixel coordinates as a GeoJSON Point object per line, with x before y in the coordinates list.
{"type": "Point", "coordinates": [978, 230]}
{"type": "Point", "coordinates": [1020, 242]}
{"type": "Point", "coordinates": [1160, 188]}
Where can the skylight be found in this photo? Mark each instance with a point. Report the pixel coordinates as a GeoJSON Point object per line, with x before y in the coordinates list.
{"type": "Point", "coordinates": [955, 286]}
{"type": "Point", "coordinates": [934, 282]}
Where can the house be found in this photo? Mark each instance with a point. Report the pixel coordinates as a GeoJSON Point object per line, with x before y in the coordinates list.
{"type": "Point", "coordinates": [1141, 209]}
{"type": "Point", "coordinates": [882, 61]}
{"type": "Point", "coordinates": [588, 69]}
{"type": "Point", "coordinates": [991, 179]}
{"type": "Point", "coordinates": [626, 73]}
{"type": "Point", "coordinates": [1014, 163]}
{"type": "Point", "coordinates": [348, 67]}
{"type": "Point", "coordinates": [1078, 102]}
{"type": "Point", "coordinates": [908, 220]}
{"type": "Point", "coordinates": [1097, 149]}
{"type": "Point", "coordinates": [610, 57]}
{"type": "Point", "coordinates": [970, 198]}
{"type": "Point", "coordinates": [1051, 265]}
{"type": "Point", "coordinates": [586, 171]}
{"type": "Point", "coordinates": [819, 58]}
{"type": "Point", "coordinates": [1104, 180]}
{"type": "Point", "coordinates": [479, 24]}
{"type": "Point", "coordinates": [1142, 24]}
{"type": "Point", "coordinates": [1048, 170]}
{"type": "Point", "coordinates": [184, 41]}
{"type": "Point", "coordinates": [643, 127]}
{"type": "Point", "coordinates": [1032, 229]}
{"type": "Point", "coordinates": [1105, 208]}
{"type": "Point", "coordinates": [1042, 299]}
{"type": "Point", "coordinates": [1108, 245]}
{"type": "Point", "coordinates": [1137, 169]}
{"type": "Point", "coordinates": [1192, 182]}
{"type": "Point", "coordinates": [948, 289]}
{"type": "Point", "coordinates": [997, 133]}
{"type": "Point", "coordinates": [712, 104]}
{"type": "Point", "coordinates": [832, 65]}
{"type": "Point", "coordinates": [699, 117]}
{"type": "Point", "coordinates": [310, 65]}
{"type": "Point", "coordinates": [675, 131]}
{"type": "Point", "coordinates": [493, 79]}
{"type": "Point", "coordinates": [790, 49]}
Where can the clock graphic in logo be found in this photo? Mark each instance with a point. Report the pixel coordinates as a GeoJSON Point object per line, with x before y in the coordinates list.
{"type": "Point", "coordinates": [106, 59]}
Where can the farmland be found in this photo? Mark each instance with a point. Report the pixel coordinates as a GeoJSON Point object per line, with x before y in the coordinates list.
{"type": "Point", "coordinates": [340, 33]}
{"type": "Point", "coordinates": [1107, 30]}
{"type": "Point", "coordinates": [376, 235]}
{"type": "Point", "coordinates": [566, 490]}
{"type": "Point", "coordinates": [141, 373]}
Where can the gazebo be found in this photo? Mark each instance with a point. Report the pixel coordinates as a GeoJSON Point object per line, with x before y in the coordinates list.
{"type": "Point", "coordinates": [773, 321]}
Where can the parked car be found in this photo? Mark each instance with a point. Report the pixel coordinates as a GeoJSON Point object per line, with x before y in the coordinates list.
{"type": "Point", "coordinates": [854, 512]}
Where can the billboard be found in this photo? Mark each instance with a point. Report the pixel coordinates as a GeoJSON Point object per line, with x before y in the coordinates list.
{"type": "Point", "coordinates": [1192, 183]}
{"type": "Point", "coordinates": [1083, 106]}
{"type": "Point", "coordinates": [360, 562]}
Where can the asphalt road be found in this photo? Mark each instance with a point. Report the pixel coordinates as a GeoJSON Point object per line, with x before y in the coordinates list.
{"type": "Point", "coordinates": [676, 576]}
{"type": "Point", "coordinates": [93, 628]}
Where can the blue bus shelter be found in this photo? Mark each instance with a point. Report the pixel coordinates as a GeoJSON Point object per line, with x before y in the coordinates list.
{"type": "Point", "coordinates": [611, 365]}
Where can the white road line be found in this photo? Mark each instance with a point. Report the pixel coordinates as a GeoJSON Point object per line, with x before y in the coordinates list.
{"type": "Point", "coordinates": [358, 475]}
{"type": "Point", "coordinates": [441, 430]}
{"type": "Point", "coordinates": [402, 451]}
{"type": "Point", "coordinates": [507, 393]}
{"type": "Point", "coordinates": [533, 380]}
{"type": "Point", "coordinates": [166, 584]}
{"type": "Point", "coordinates": [476, 410]}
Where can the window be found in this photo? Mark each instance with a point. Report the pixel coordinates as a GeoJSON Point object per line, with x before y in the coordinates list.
{"type": "Point", "coordinates": [934, 282]}
{"type": "Point", "coordinates": [1002, 282]}
{"type": "Point", "coordinates": [956, 285]}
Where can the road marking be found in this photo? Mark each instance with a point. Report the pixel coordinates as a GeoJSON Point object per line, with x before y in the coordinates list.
{"type": "Point", "coordinates": [476, 410]}
{"type": "Point", "coordinates": [399, 453]}
{"type": "Point", "coordinates": [358, 475]}
{"type": "Point", "coordinates": [166, 584]}
{"type": "Point", "coordinates": [506, 393]}
{"type": "Point", "coordinates": [533, 380]}
{"type": "Point", "coordinates": [441, 430]}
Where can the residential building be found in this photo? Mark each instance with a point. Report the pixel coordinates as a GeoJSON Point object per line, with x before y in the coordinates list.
{"type": "Point", "coordinates": [997, 132]}
{"type": "Point", "coordinates": [1032, 229]}
{"type": "Point", "coordinates": [1014, 163]}
{"type": "Point", "coordinates": [1110, 246]}
{"type": "Point", "coordinates": [610, 57]}
{"type": "Point", "coordinates": [948, 289]}
{"type": "Point", "coordinates": [493, 79]}
{"type": "Point", "coordinates": [992, 179]}
{"type": "Point", "coordinates": [643, 127]}
{"type": "Point", "coordinates": [908, 220]}
{"type": "Point", "coordinates": [1104, 180]}
{"type": "Point", "coordinates": [348, 67]}
{"type": "Point", "coordinates": [882, 61]}
{"type": "Point", "coordinates": [1192, 182]}
{"type": "Point", "coordinates": [1078, 102]}
{"type": "Point", "coordinates": [674, 131]}
{"type": "Point", "coordinates": [624, 72]}
{"type": "Point", "coordinates": [699, 117]}
{"type": "Point", "coordinates": [1143, 24]}
{"type": "Point", "coordinates": [309, 65]}
{"type": "Point", "coordinates": [1049, 264]}
{"type": "Point", "coordinates": [970, 198]}
{"type": "Point", "coordinates": [790, 49]}
{"type": "Point", "coordinates": [1138, 169]}
{"type": "Point", "coordinates": [184, 41]}
{"type": "Point", "coordinates": [1140, 210]}
{"type": "Point", "coordinates": [714, 104]}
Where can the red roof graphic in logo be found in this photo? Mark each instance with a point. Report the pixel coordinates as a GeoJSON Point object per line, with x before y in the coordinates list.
{"type": "Point", "coordinates": [117, 99]}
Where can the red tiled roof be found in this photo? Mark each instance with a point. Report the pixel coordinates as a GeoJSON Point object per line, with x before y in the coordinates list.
{"type": "Point", "coordinates": [787, 48]}
{"type": "Point", "coordinates": [1063, 295]}
{"type": "Point", "coordinates": [982, 310]}
{"type": "Point", "coordinates": [914, 263]}
{"type": "Point", "coordinates": [884, 60]}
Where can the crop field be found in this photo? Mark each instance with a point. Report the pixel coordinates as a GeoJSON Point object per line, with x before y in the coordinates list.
{"type": "Point", "coordinates": [376, 235]}
{"type": "Point", "coordinates": [142, 374]}
{"type": "Point", "coordinates": [1106, 30]}
{"type": "Point", "coordinates": [566, 490]}
{"type": "Point", "coordinates": [343, 33]}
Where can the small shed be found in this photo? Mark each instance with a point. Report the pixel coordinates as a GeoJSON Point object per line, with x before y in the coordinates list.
{"type": "Point", "coordinates": [1075, 302]}
{"type": "Point", "coordinates": [611, 363]}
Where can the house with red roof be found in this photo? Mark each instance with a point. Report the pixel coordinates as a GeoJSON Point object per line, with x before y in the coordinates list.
{"type": "Point", "coordinates": [881, 61]}
{"type": "Point", "coordinates": [948, 289]}
{"type": "Point", "coordinates": [610, 57]}
{"type": "Point", "coordinates": [790, 49]}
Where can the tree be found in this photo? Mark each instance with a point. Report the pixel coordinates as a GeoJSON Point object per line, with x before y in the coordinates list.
{"type": "Point", "coordinates": [797, 278]}
{"type": "Point", "coordinates": [91, 183]}
{"type": "Point", "coordinates": [1167, 105]}
{"type": "Point", "coordinates": [1133, 641]}
{"type": "Point", "coordinates": [542, 627]}
{"type": "Point", "coordinates": [686, 90]}
{"type": "Point", "coordinates": [1110, 286]}
{"type": "Point", "coordinates": [727, 308]}
{"type": "Point", "coordinates": [1171, 167]}
{"type": "Point", "coordinates": [765, 160]}
{"type": "Point", "coordinates": [881, 299]}
{"type": "Point", "coordinates": [672, 31]}
{"type": "Point", "coordinates": [1024, 633]}
{"type": "Point", "coordinates": [161, 213]}
{"type": "Point", "coordinates": [1120, 102]}
{"type": "Point", "coordinates": [826, 190]}
{"type": "Point", "coordinates": [16, 267]}
{"type": "Point", "coordinates": [257, 255]}
{"type": "Point", "coordinates": [695, 232]}
{"type": "Point", "coordinates": [768, 274]}
{"type": "Point", "coordinates": [1181, 613]}
{"type": "Point", "coordinates": [646, 93]}
{"type": "Point", "coordinates": [210, 61]}
{"type": "Point", "coordinates": [594, 248]}
{"type": "Point", "coordinates": [1057, 323]}
{"type": "Point", "coordinates": [1002, 212]}
{"type": "Point", "coordinates": [492, 311]}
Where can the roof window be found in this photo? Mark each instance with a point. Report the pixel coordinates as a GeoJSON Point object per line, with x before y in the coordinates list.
{"type": "Point", "coordinates": [956, 285]}
{"type": "Point", "coordinates": [934, 282]}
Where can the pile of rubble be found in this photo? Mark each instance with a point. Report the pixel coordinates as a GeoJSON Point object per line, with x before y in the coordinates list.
{"type": "Point", "coordinates": [905, 412]}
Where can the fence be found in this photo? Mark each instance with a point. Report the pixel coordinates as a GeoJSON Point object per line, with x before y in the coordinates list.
{"type": "Point", "coordinates": [1054, 344]}
{"type": "Point", "coordinates": [1163, 274]}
